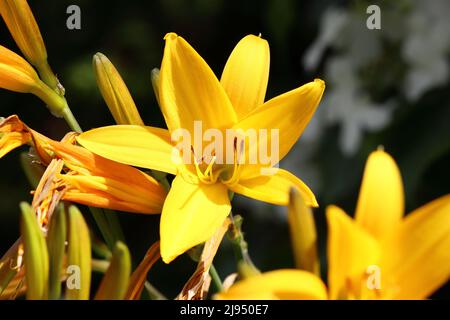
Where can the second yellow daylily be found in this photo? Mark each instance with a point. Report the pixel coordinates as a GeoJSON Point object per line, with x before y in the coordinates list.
{"type": "Point", "coordinates": [198, 201]}
{"type": "Point", "coordinates": [378, 255]}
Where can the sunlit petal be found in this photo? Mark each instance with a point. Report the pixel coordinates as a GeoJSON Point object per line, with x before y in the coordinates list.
{"type": "Point", "coordinates": [381, 198]}
{"type": "Point", "coordinates": [280, 284]}
{"type": "Point", "coordinates": [189, 90]}
{"type": "Point", "coordinates": [246, 74]}
{"type": "Point", "coordinates": [191, 214]}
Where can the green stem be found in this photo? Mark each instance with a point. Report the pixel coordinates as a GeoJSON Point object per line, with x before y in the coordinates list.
{"type": "Point", "coordinates": [70, 119]}
{"type": "Point", "coordinates": [47, 75]}
{"type": "Point", "coordinates": [99, 265]}
{"type": "Point", "coordinates": [153, 293]}
{"type": "Point", "coordinates": [33, 171]}
{"type": "Point", "coordinates": [240, 246]}
{"type": "Point", "coordinates": [216, 278]}
{"type": "Point", "coordinates": [103, 222]}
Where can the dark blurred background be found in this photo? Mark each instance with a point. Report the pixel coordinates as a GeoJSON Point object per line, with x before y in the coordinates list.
{"type": "Point", "coordinates": [131, 34]}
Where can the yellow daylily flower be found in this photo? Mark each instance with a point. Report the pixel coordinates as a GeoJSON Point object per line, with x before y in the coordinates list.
{"type": "Point", "coordinates": [76, 174]}
{"type": "Point", "coordinates": [379, 254]}
{"type": "Point", "coordinates": [198, 201]}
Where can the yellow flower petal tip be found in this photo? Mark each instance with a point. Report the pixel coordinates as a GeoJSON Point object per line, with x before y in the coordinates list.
{"type": "Point", "coordinates": [170, 36]}
{"type": "Point", "coordinates": [381, 180]}
{"type": "Point", "coordinates": [319, 82]}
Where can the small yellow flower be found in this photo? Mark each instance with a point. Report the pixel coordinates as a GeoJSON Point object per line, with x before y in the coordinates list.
{"type": "Point", "coordinates": [378, 255]}
{"type": "Point", "coordinates": [198, 201]}
{"type": "Point", "coordinates": [115, 92]}
{"type": "Point", "coordinates": [83, 177]}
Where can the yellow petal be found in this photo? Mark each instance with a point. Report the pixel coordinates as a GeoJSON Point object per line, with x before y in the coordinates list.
{"type": "Point", "coordinates": [381, 198]}
{"type": "Point", "coordinates": [416, 258]}
{"type": "Point", "coordinates": [115, 92]}
{"type": "Point", "coordinates": [15, 132]}
{"type": "Point", "coordinates": [351, 251]}
{"type": "Point", "coordinates": [190, 91]}
{"type": "Point", "coordinates": [288, 113]}
{"type": "Point", "coordinates": [108, 193]}
{"type": "Point", "coordinates": [145, 147]}
{"type": "Point", "coordinates": [274, 188]}
{"type": "Point", "coordinates": [279, 284]}
{"type": "Point", "coordinates": [190, 216]}
{"type": "Point", "coordinates": [11, 141]}
{"type": "Point", "coordinates": [246, 74]}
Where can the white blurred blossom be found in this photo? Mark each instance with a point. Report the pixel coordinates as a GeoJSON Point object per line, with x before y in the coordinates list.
{"type": "Point", "coordinates": [420, 28]}
{"type": "Point", "coordinates": [426, 47]}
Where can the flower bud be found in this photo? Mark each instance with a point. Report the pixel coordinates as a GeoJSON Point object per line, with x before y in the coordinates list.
{"type": "Point", "coordinates": [115, 92]}
{"type": "Point", "coordinates": [114, 285]}
{"type": "Point", "coordinates": [56, 243]}
{"type": "Point", "coordinates": [303, 233]}
{"type": "Point", "coordinates": [79, 257]}
{"type": "Point", "coordinates": [23, 27]}
{"type": "Point", "coordinates": [35, 255]}
{"type": "Point", "coordinates": [16, 74]}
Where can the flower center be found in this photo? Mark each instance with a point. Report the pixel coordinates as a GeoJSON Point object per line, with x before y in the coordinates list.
{"type": "Point", "coordinates": [209, 172]}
